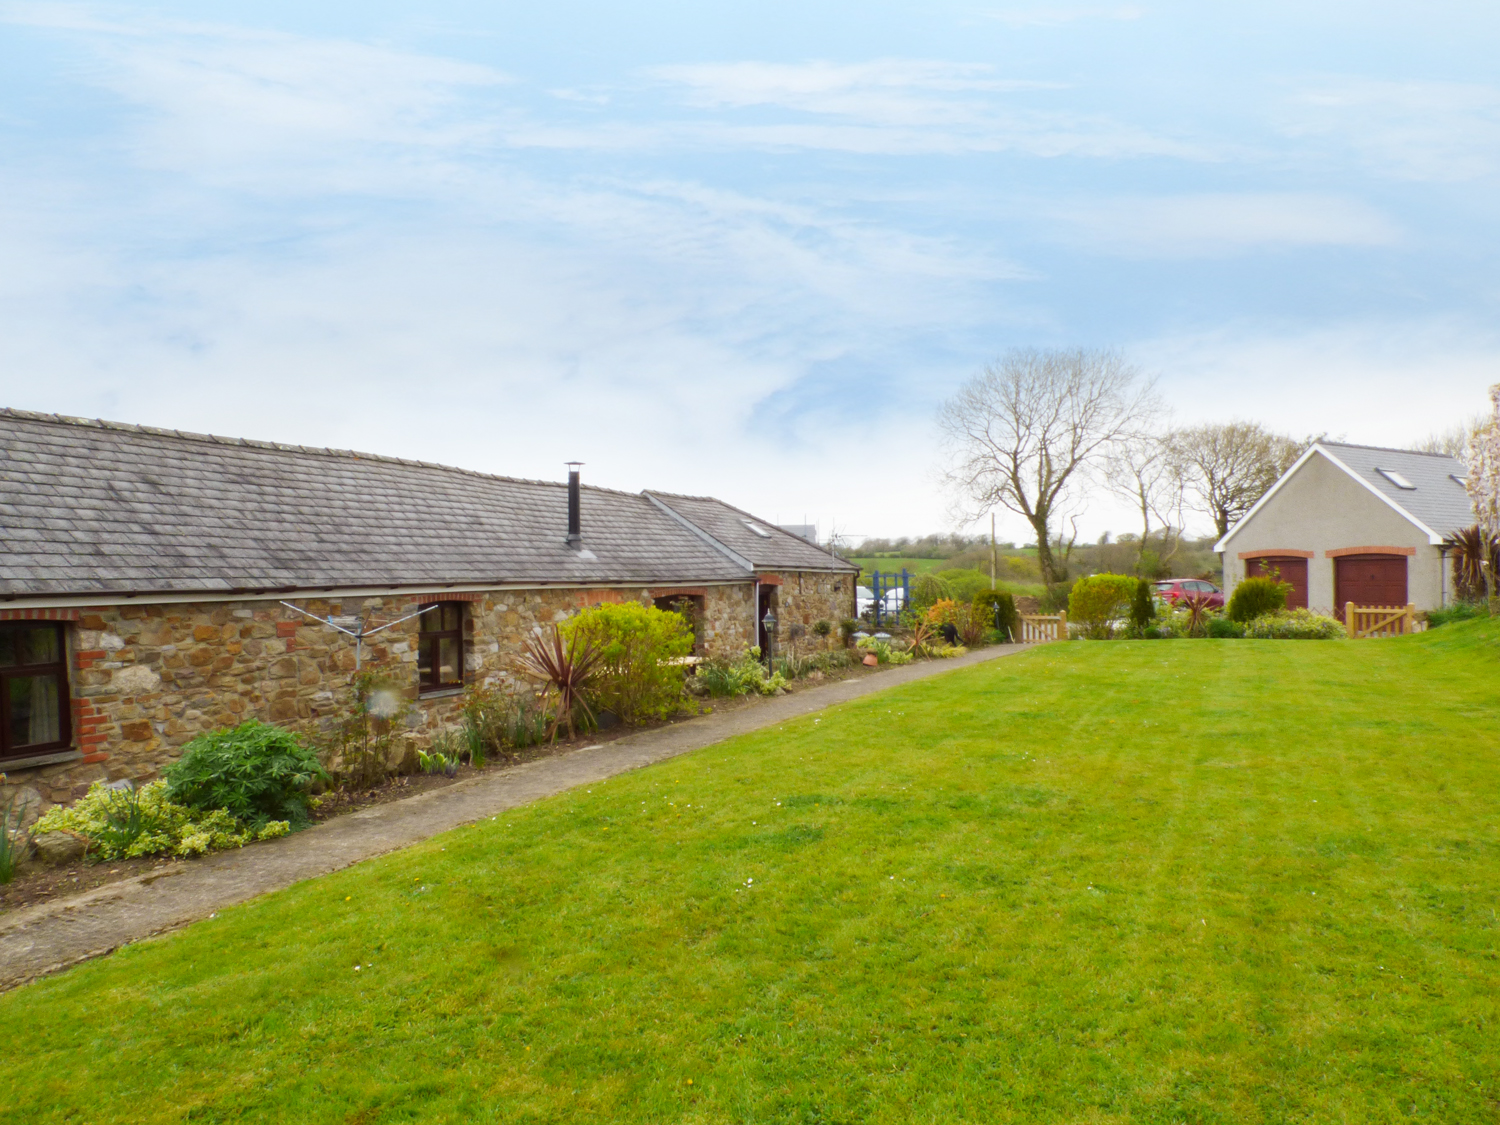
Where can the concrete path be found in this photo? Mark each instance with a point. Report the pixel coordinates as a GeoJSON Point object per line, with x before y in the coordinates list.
{"type": "Point", "coordinates": [44, 938]}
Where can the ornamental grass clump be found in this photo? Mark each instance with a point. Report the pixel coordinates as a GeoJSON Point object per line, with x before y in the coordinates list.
{"type": "Point", "coordinates": [640, 668]}
{"type": "Point", "coordinates": [127, 824]}
{"type": "Point", "coordinates": [14, 841]}
{"type": "Point", "coordinates": [256, 772]}
{"type": "Point", "coordinates": [725, 679]}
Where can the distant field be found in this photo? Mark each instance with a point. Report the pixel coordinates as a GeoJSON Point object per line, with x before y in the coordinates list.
{"type": "Point", "coordinates": [887, 566]}
{"type": "Point", "coordinates": [1220, 882]}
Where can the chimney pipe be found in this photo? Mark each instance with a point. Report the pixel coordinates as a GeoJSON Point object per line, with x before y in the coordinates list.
{"type": "Point", "coordinates": [575, 529]}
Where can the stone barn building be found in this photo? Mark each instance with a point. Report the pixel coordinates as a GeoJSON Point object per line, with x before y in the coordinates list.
{"type": "Point", "coordinates": [156, 584]}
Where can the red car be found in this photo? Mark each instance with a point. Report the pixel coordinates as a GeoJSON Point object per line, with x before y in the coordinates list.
{"type": "Point", "coordinates": [1173, 590]}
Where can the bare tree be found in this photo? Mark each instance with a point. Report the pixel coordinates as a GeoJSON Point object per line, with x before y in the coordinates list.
{"type": "Point", "coordinates": [1454, 441]}
{"type": "Point", "coordinates": [1225, 467]}
{"type": "Point", "coordinates": [1140, 469]}
{"type": "Point", "coordinates": [1028, 427]}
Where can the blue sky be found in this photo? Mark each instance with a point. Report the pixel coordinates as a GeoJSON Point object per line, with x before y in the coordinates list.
{"type": "Point", "coordinates": [741, 249]}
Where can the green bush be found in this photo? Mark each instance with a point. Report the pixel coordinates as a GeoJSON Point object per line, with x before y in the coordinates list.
{"type": "Point", "coordinates": [1096, 602]}
{"type": "Point", "coordinates": [927, 590]}
{"type": "Point", "coordinates": [1256, 597]}
{"type": "Point", "coordinates": [639, 676]}
{"type": "Point", "coordinates": [1223, 627]}
{"type": "Point", "coordinates": [1295, 625]}
{"type": "Point", "coordinates": [822, 628]}
{"type": "Point", "coordinates": [729, 678]}
{"type": "Point", "coordinates": [1458, 611]}
{"type": "Point", "coordinates": [257, 772]}
{"type": "Point", "coordinates": [1007, 621]}
{"type": "Point", "coordinates": [1142, 606]}
{"type": "Point", "coordinates": [125, 825]}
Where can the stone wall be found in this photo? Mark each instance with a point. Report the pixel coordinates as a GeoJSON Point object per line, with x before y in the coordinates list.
{"type": "Point", "coordinates": [806, 597]}
{"type": "Point", "coordinates": [147, 678]}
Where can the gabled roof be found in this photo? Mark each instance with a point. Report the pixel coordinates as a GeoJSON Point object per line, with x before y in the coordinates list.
{"type": "Point", "coordinates": [1438, 503]}
{"type": "Point", "coordinates": [765, 545]}
{"type": "Point", "coordinates": [90, 507]}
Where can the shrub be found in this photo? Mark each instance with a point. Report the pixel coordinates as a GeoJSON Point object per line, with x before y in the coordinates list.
{"type": "Point", "coordinates": [1295, 625]}
{"type": "Point", "coordinates": [728, 678]}
{"type": "Point", "coordinates": [257, 772]}
{"type": "Point", "coordinates": [1224, 627]}
{"type": "Point", "coordinates": [496, 721]}
{"type": "Point", "coordinates": [997, 611]}
{"type": "Point", "coordinates": [1256, 597]}
{"type": "Point", "coordinates": [1096, 602]}
{"type": "Point", "coordinates": [103, 814]}
{"type": "Point", "coordinates": [638, 676]}
{"type": "Point", "coordinates": [1458, 611]}
{"type": "Point", "coordinates": [822, 628]}
{"type": "Point", "coordinates": [847, 628]}
{"type": "Point", "coordinates": [1142, 607]}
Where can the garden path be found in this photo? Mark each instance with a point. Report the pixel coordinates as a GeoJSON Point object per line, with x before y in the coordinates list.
{"type": "Point", "coordinates": [47, 937]}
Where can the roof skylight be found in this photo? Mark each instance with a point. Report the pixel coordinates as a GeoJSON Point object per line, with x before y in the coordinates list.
{"type": "Point", "coordinates": [1397, 479]}
{"type": "Point", "coordinates": [755, 527]}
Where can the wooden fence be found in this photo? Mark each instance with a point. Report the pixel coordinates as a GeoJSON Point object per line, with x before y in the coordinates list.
{"type": "Point", "coordinates": [1038, 629]}
{"type": "Point", "coordinates": [1379, 620]}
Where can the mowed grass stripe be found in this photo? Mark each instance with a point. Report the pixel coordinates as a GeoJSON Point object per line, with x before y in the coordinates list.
{"type": "Point", "coordinates": [1208, 881]}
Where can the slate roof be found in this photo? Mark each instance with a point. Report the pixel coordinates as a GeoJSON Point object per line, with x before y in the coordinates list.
{"type": "Point", "coordinates": [98, 507]}
{"type": "Point", "coordinates": [1438, 501]}
{"type": "Point", "coordinates": [731, 526]}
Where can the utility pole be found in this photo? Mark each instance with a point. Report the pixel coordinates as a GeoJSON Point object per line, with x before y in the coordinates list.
{"type": "Point", "coordinates": [992, 550]}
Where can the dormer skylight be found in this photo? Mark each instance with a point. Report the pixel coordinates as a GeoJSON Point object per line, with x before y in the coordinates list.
{"type": "Point", "coordinates": [755, 527]}
{"type": "Point", "coordinates": [1397, 479]}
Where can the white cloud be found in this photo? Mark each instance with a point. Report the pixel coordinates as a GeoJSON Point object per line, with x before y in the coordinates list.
{"type": "Point", "coordinates": [899, 107]}
{"type": "Point", "coordinates": [1425, 131]}
{"type": "Point", "coordinates": [1209, 225]}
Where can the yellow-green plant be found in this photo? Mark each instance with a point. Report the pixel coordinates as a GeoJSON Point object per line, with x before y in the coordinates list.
{"type": "Point", "coordinates": [123, 825]}
{"type": "Point", "coordinates": [640, 670]}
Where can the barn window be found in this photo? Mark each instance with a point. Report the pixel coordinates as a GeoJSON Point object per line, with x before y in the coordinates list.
{"type": "Point", "coordinates": [440, 647]}
{"type": "Point", "coordinates": [1397, 479]}
{"type": "Point", "coordinates": [33, 689]}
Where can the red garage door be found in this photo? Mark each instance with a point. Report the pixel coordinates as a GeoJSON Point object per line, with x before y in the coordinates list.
{"type": "Point", "coordinates": [1369, 580]}
{"type": "Point", "coordinates": [1291, 570]}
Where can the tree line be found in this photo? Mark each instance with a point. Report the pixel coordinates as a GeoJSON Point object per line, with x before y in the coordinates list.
{"type": "Point", "coordinates": [1036, 430]}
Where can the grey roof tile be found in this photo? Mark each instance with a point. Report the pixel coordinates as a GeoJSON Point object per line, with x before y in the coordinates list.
{"type": "Point", "coordinates": [113, 507]}
{"type": "Point", "coordinates": [1439, 501]}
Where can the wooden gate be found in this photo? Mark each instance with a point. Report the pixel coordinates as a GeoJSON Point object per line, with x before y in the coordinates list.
{"type": "Point", "coordinates": [1379, 620]}
{"type": "Point", "coordinates": [1040, 628]}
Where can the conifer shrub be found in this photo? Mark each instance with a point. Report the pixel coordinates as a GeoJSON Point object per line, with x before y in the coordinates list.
{"type": "Point", "coordinates": [1142, 607]}
{"type": "Point", "coordinates": [997, 608]}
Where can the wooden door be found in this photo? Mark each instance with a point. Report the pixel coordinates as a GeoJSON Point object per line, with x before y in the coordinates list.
{"type": "Point", "coordinates": [1290, 570]}
{"type": "Point", "coordinates": [1369, 580]}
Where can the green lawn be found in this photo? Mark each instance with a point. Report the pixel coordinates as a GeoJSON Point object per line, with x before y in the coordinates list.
{"type": "Point", "coordinates": [1205, 881]}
